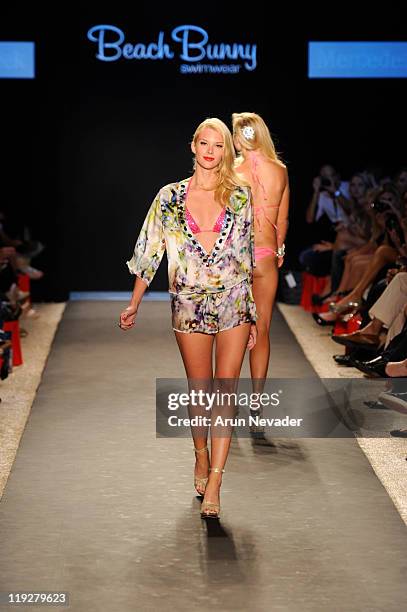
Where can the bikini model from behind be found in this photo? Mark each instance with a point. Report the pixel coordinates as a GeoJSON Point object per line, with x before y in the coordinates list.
{"type": "Point", "coordinates": [260, 165]}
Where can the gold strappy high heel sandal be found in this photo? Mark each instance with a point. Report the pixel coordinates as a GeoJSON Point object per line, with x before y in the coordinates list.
{"type": "Point", "coordinates": [200, 482]}
{"type": "Point", "coordinates": [210, 509]}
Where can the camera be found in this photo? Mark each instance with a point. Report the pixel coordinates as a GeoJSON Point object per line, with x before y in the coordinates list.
{"type": "Point", "coordinates": [325, 182]}
{"type": "Point", "coordinates": [380, 206]}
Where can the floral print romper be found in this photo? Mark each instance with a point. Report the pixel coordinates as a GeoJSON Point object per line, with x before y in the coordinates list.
{"type": "Point", "coordinates": [210, 292]}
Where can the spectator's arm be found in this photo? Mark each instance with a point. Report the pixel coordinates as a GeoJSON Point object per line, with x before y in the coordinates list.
{"type": "Point", "coordinates": [365, 248]}
{"type": "Point", "coordinates": [312, 206]}
{"type": "Point", "coordinates": [344, 203]}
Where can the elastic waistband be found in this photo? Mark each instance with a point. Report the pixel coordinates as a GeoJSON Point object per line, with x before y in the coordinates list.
{"type": "Point", "coordinates": [241, 282]}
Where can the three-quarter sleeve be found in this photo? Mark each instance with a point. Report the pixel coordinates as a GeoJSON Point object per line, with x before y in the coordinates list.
{"type": "Point", "coordinates": [150, 245]}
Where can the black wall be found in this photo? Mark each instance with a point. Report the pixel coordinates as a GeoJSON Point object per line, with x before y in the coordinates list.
{"type": "Point", "coordinates": [87, 144]}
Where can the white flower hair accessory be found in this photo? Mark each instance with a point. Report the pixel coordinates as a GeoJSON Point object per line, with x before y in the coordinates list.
{"type": "Point", "coordinates": [248, 132]}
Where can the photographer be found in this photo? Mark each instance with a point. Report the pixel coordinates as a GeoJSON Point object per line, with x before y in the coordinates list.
{"type": "Point", "coordinates": [330, 197]}
{"type": "Point", "coordinates": [327, 207]}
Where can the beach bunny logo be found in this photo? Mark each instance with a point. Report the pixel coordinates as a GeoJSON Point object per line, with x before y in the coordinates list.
{"type": "Point", "coordinates": [189, 43]}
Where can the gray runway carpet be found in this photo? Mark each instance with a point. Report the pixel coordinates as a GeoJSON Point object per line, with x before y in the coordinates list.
{"type": "Point", "coordinates": [96, 506]}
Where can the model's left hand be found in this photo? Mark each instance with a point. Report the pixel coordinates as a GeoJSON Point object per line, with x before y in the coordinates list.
{"type": "Point", "coordinates": [252, 337]}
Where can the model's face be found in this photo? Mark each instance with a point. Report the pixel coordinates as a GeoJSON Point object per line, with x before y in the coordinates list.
{"type": "Point", "coordinates": [208, 148]}
{"type": "Point", "coordinates": [357, 188]}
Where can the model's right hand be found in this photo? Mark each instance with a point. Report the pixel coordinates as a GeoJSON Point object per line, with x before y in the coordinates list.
{"type": "Point", "coordinates": [127, 317]}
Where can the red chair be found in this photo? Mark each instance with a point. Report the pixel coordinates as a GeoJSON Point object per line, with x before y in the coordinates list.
{"type": "Point", "coordinates": [312, 284]}
{"type": "Point", "coordinates": [23, 282]}
{"type": "Point", "coordinates": [14, 327]}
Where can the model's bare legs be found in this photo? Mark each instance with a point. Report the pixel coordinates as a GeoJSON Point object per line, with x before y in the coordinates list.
{"type": "Point", "coordinates": [230, 349]}
{"type": "Point", "coordinates": [265, 281]}
{"type": "Point", "coordinates": [196, 352]}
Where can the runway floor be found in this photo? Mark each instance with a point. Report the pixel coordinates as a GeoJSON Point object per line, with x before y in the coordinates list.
{"type": "Point", "coordinates": [97, 506]}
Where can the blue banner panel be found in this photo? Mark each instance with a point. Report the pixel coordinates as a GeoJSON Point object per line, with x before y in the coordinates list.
{"type": "Point", "coordinates": [357, 60]}
{"type": "Point", "coordinates": [17, 60]}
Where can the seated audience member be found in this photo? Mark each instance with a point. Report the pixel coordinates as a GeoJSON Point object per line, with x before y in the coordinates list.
{"type": "Point", "coordinates": [353, 235]}
{"type": "Point", "coordinates": [25, 250]}
{"type": "Point", "coordinates": [389, 312]}
{"type": "Point", "coordinates": [387, 217]}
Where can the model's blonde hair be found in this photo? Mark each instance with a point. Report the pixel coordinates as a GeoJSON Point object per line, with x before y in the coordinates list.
{"type": "Point", "coordinates": [228, 178]}
{"type": "Point", "coordinates": [261, 141]}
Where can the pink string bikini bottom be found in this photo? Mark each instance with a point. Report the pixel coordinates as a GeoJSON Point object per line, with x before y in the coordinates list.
{"type": "Point", "coordinates": [261, 252]}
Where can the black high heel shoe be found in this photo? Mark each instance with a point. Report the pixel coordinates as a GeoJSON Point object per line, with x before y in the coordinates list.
{"type": "Point", "coordinates": [318, 319]}
{"type": "Point", "coordinates": [318, 300]}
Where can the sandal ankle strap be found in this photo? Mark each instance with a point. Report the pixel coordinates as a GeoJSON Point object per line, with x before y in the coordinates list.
{"type": "Point", "coordinates": [216, 469]}
{"type": "Point", "coordinates": [200, 450]}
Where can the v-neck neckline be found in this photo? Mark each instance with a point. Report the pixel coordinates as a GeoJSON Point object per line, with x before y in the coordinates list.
{"type": "Point", "coordinates": [208, 257]}
{"type": "Point", "coordinates": [196, 229]}
{"type": "Point", "coordinates": [199, 230]}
